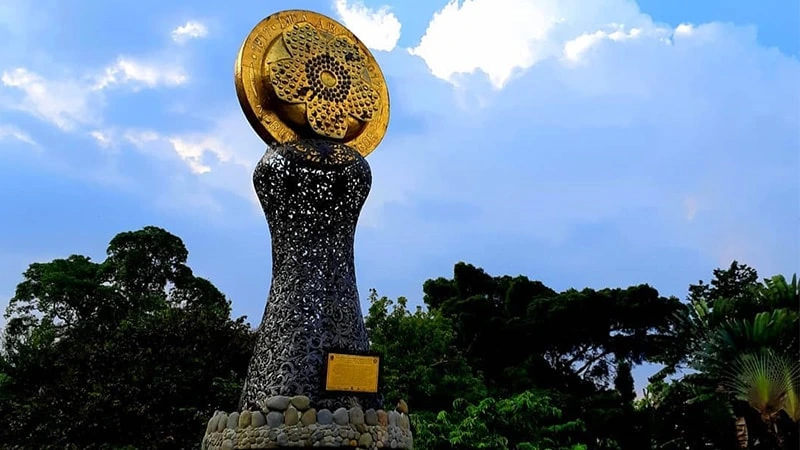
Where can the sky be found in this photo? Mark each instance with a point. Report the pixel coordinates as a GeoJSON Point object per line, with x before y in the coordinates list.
{"type": "Point", "coordinates": [583, 143]}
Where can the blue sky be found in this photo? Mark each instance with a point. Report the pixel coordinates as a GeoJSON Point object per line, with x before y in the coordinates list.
{"type": "Point", "coordinates": [584, 143]}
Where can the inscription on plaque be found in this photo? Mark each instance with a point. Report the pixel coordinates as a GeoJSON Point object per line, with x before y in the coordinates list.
{"type": "Point", "coordinates": [352, 373]}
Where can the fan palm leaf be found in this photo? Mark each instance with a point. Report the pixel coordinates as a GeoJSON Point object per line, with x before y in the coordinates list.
{"type": "Point", "coordinates": [766, 380]}
{"type": "Point", "coordinates": [791, 404]}
{"type": "Point", "coordinates": [760, 380]}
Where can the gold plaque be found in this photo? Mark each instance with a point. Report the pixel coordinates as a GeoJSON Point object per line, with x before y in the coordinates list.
{"type": "Point", "coordinates": [352, 373]}
{"type": "Point", "coordinates": [302, 74]}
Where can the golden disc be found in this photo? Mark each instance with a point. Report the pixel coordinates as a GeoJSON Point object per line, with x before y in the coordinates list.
{"type": "Point", "coordinates": [300, 74]}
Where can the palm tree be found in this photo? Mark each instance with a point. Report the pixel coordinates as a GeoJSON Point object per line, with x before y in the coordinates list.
{"type": "Point", "coordinates": [767, 381]}
{"type": "Point", "coordinates": [779, 293]}
{"type": "Point", "coordinates": [762, 344]}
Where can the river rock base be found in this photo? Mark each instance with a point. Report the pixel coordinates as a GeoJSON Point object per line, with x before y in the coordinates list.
{"type": "Point", "coordinates": [309, 429]}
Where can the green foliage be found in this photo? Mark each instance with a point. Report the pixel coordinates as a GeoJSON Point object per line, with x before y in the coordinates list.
{"type": "Point", "coordinates": [766, 381]}
{"type": "Point", "coordinates": [134, 351]}
{"type": "Point", "coordinates": [137, 352]}
{"type": "Point", "coordinates": [688, 414]}
{"type": "Point", "coordinates": [623, 383]}
{"type": "Point", "coordinates": [740, 336]}
{"type": "Point", "coordinates": [421, 362]}
{"type": "Point", "coordinates": [574, 334]}
{"type": "Point", "coordinates": [525, 421]}
{"type": "Point", "coordinates": [518, 335]}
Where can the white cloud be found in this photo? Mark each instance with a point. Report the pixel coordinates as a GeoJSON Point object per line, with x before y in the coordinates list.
{"type": "Point", "coordinates": [64, 103]}
{"type": "Point", "coordinates": [141, 138]}
{"type": "Point", "coordinates": [379, 29]}
{"type": "Point", "coordinates": [72, 102]}
{"type": "Point", "coordinates": [603, 118]}
{"type": "Point", "coordinates": [102, 138]}
{"type": "Point", "coordinates": [574, 49]}
{"type": "Point", "coordinates": [503, 37]}
{"type": "Point", "coordinates": [692, 206]}
{"type": "Point", "coordinates": [228, 142]}
{"type": "Point", "coordinates": [193, 150]}
{"type": "Point", "coordinates": [202, 164]}
{"type": "Point", "coordinates": [684, 29]}
{"type": "Point", "coordinates": [199, 151]}
{"type": "Point", "coordinates": [128, 71]}
{"type": "Point", "coordinates": [190, 30]}
{"type": "Point", "coordinates": [12, 132]}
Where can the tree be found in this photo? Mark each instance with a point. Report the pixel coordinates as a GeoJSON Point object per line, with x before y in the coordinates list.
{"type": "Point", "coordinates": [527, 421]}
{"type": "Point", "coordinates": [133, 351]}
{"type": "Point", "coordinates": [569, 334]}
{"type": "Point", "coordinates": [623, 383]}
{"type": "Point", "coordinates": [687, 414]}
{"type": "Point", "coordinates": [738, 333]}
{"type": "Point", "coordinates": [768, 382]}
{"type": "Point", "coordinates": [519, 334]}
{"type": "Point", "coordinates": [421, 362]}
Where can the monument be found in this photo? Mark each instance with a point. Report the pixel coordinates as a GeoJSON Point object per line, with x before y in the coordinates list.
{"type": "Point", "coordinates": [315, 94]}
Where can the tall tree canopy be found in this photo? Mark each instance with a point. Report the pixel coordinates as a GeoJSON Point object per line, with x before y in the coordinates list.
{"type": "Point", "coordinates": [515, 330]}
{"type": "Point", "coordinates": [516, 336]}
{"type": "Point", "coordinates": [133, 351]}
{"type": "Point", "coordinates": [740, 337]}
{"type": "Point", "coordinates": [137, 352]}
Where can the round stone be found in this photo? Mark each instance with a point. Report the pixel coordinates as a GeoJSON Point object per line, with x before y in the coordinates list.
{"type": "Point", "coordinates": [340, 416]}
{"type": "Point", "coordinates": [278, 402]}
{"type": "Point", "coordinates": [291, 417]}
{"type": "Point", "coordinates": [233, 420]}
{"type": "Point", "coordinates": [383, 418]}
{"type": "Point", "coordinates": [356, 416]}
{"type": "Point", "coordinates": [325, 417]}
{"type": "Point", "coordinates": [371, 417]}
{"type": "Point", "coordinates": [275, 419]}
{"type": "Point", "coordinates": [301, 402]}
{"type": "Point", "coordinates": [244, 419]}
{"type": "Point", "coordinates": [212, 424]}
{"type": "Point", "coordinates": [222, 422]}
{"type": "Point", "coordinates": [258, 419]}
{"type": "Point", "coordinates": [309, 417]}
{"type": "Point", "coordinates": [403, 422]}
{"type": "Point", "coordinates": [283, 439]}
{"type": "Point", "coordinates": [365, 440]}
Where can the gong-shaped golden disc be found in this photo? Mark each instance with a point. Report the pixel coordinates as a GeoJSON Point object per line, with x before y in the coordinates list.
{"type": "Point", "coordinates": [301, 74]}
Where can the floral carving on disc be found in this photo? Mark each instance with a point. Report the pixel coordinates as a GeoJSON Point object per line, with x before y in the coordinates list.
{"type": "Point", "coordinates": [325, 73]}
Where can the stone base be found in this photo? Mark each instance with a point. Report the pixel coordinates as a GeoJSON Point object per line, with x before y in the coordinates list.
{"type": "Point", "coordinates": [249, 430]}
